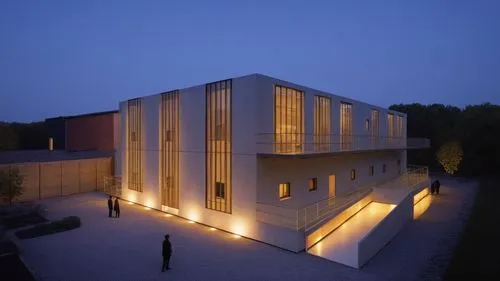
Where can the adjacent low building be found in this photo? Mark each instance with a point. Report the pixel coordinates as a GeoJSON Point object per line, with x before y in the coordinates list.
{"type": "Point", "coordinates": [270, 160]}
{"type": "Point", "coordinates": [88, 132]}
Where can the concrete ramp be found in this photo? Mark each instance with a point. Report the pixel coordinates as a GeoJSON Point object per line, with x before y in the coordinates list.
{"type": "Point", "coordinates": [342, 245]}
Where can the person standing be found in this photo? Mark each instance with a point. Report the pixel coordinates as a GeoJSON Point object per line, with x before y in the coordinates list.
{"type": "Point", "coordinates": [110, 206]}
{"type": "Point", "coordinates": [117, 208]}
{"type": "Point", "coordinates": [167, 253]}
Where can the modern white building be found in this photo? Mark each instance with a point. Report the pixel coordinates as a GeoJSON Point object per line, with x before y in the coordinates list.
{"type": "Point", "coordinates": [273, 161]}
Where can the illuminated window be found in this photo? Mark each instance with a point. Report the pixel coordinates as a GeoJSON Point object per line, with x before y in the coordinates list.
{"type": "Point", "coordinates": [284, 190]}
{"type": "Point", "coordinates": [353, 174]}
{"type": "Point", "coordinates": [288, 120]}
{"type": "Point", "coordinates": [313, 184]}
{"type": "Point", "coordinates": [346, 137]}
{"type": "Point", "coordinates": [134, 145]}
{"type": "Point", "coordinates": [220, 190]}
{"type": "Point", "coordinates": [372, 170]}
{"type": "Point", "coordinates": [384, 168]}
{"type": "Point", "coordinates": [390, 127]}
{"type": "Point", "coordinates": [322, 128]}
{"type": "Point", "coordinates": [218, 141]}
{"type": "Point", "coordinates": [399, 126]}
{"type": "Point", "coordinates": [169, 149]}
{"type": "Point", "coordinates": [374, 129]}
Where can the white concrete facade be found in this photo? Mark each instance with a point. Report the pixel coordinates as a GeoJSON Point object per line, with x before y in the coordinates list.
{"type": "Point", "coordinates": [255, 174]}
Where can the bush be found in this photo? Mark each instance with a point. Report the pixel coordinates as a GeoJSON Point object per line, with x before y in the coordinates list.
{"type": "Point", "coordinates": [21, 220]}
{"type": "Point", "coordinates": [65, 224]}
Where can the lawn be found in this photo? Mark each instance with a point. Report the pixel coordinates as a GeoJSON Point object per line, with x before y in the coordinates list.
{"type": "Point", "coordinates": [478, 253]}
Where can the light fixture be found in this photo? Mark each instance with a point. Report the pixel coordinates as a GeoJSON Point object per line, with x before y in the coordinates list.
{"type": "Point", "coordinates": [213, 229]}
{"type": "Point", "coordinates": [147, 208]}
{"type": "Point", "coordinates": [236, 236]}
{"type": "Point", "coordinates": [130, 203]}
{"type": "Point", "coordinates": [190, 221]}
{"type": "Point", "coordinates": [168, 215]}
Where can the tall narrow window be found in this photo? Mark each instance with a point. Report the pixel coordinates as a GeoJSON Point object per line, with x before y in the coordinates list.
{"type": "Point", "coordinates": [134, 145]}
{"type": "Point", "coordinates": [353, 174]}
{"type": "Point", "coordinates": [399, 129]}
{"type": "Point", "coordinates": [346, 137]}
{"type": "Point", "coordinates": [284, 190]}
{"type": "Point", "coordinates": [288, 120]}
{"type": "Point", "coordinates": [371, 171]}
{"type": "Point", "coordinates": [390, 127]}
{"type": "Point", "coordinates": [374, 129]}
{"type": "Point", "coordinates": [169, 149]}
{"type": "Point", "coordinates": [218, 146]}
{"type": "Point", "coordinates": [322, 128]}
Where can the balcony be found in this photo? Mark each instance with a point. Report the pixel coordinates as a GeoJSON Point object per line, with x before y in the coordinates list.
{"type": "Point", "coordinates": [289, 144]}
{"type": "Point", "coordinates": [308, 217]}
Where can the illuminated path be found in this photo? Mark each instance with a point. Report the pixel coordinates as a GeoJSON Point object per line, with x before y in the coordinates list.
{"type": "Point", "coordinates": [342, 244]}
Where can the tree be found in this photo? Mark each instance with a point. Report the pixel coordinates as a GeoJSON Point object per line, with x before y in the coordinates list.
{"type": "Point", "coordinates": [11, 184]}
{"type": "Point", "coordinates": [449, 156]}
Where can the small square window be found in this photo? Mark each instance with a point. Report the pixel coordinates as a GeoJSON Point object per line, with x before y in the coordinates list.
{"type": "Point", "coordinates": [367, 124]}
{"type": "Point", "coordinates": [313, 184]}
{"type": "Point", "coordinates": [220, 191]}
{"type": "Point", "coordinates": [372, 170]}
{"type": "Point", "coordinates": [384, 168]}
{"type": "Point", "coordinates": [168, 135]}
{"type": "Point", "coordinates": [353, 174]}
{"type": "Point", "coordinates": [284, 190]}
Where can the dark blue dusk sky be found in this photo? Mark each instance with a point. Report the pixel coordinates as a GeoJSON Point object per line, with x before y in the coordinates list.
{"type": "Point", "coordinates": [72, 57]}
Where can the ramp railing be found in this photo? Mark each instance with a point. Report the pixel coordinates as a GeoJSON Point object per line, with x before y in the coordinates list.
{"type": "Point", "coordinates": [307, 217]}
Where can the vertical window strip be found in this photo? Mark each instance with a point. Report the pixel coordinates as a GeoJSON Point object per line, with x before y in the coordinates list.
{"type": "Point", "coordinates": [169, 147]}
{"type": "Point", "coordinates": [288, 120]}
{"type": "Point", "coordinates": [218, 135]}
{"type": "Point", "coordinates": [134, 145]}
{"type": "Point", "coordinates": [322, 124]}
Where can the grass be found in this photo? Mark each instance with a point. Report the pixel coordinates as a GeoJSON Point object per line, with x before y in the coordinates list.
{"type": "Point", "coordinates": [477, 255]}
{"type": "Point", "coordinates": [65, 224]}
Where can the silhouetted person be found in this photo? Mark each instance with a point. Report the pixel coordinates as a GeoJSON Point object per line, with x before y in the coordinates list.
{"type": "Point", "coordinates": [166, 252]}
{"type": "Point", "coordinates": [438, 185]}
{"type": "Point", "coordinates": [110, 206]}
{"type": "Point", "coordinates": [117, 208]}
{"type": "Point", "coordinates": [433, 187]}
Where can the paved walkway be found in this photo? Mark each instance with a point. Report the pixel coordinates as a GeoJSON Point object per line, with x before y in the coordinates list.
{"type": "Point", "coordinates": [129, 248]}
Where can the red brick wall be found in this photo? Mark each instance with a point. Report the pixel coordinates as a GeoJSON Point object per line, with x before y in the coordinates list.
{"type": "Point", "coordinates": [93, 132]}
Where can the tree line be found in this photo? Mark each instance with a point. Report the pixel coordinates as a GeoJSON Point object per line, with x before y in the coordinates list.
{"type": "Point", "coordinates": [476, 128]}
{"type": "Point", "coordinates": [20, 136]}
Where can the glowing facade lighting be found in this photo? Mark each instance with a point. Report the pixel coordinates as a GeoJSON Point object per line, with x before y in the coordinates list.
{"type": "Point", "coordinates": [213, 229]}
{"type": "Point", "coordinates": [130, 203]}
{"type": "Point", "coordinates": [168, 215]}
{"type": "Point", "coordinates": [236, 236]}
{"type": "Point", "coordinates": [147, 208]}
{"type": "Point", "coordinates": [190, 221]}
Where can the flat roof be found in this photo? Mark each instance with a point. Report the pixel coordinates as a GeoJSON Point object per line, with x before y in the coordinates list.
{"type": "Point", "coordinates": [31, 156]}
{"type": "Point", "coordinates": [84, 115]}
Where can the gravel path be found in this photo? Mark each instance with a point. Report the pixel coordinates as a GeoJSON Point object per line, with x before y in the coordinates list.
{"type": "Point", "coordinates": [129, 248]}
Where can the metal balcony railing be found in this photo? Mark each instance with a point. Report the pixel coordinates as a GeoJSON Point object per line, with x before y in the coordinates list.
{"type": "Point", "coordinates": [305, 218]}
{"type": "Point", "coordinates": [293, 144]}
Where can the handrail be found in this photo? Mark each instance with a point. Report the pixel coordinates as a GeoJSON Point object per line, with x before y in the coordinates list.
{"type": "Point", "coordinates": [295, 143]}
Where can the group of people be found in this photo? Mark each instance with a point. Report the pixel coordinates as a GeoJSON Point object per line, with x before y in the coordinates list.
{"type": "Point", "coordinates": [166, 246]}
{"type": "Point", "coordinates": [115, 207]}
{"type": "Point", "coordinates": [435, 187]}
